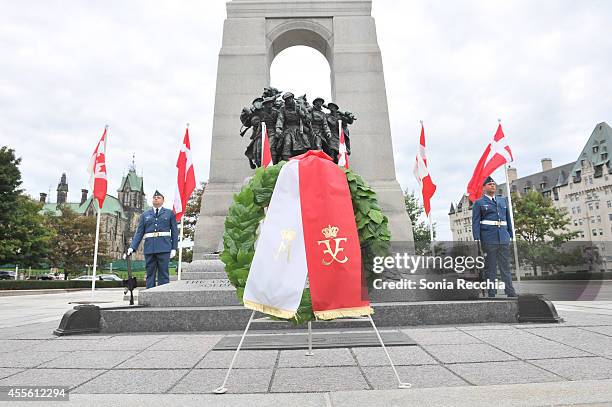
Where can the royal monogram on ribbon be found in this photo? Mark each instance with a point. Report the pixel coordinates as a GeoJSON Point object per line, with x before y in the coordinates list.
{"type": "Point", "coordinates": [309, 232]}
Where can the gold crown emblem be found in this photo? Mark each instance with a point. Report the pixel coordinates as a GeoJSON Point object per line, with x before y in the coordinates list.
{"type": "Point", "coordinates": [330, 231]}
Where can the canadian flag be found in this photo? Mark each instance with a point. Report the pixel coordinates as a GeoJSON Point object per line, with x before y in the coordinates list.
{"type": "Point", "coordinates": [421, 173]}
{"type": "Point", "coordinates": [342, 152]}
{"type": "Point", "coordinates": [496, 154]}
{"type": "Point", "coordinates": [309, 233]}
{"type": "Point", "coordinates": [97, 171]}
{"type": "Point", "coordinates": [186, 182]}
{"type": "Point", "coordinates": [266, 154]}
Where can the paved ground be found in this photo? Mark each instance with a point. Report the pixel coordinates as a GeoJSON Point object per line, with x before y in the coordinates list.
{"type": "Point", "coordinates": [565, 364]}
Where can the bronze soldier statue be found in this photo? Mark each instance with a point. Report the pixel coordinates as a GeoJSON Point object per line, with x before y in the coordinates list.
{"type": "Point", "coordinates": [294, 126]}
{"type": "Point", "coordinates": [251, 118]}
{"type": "Point", "coordinates": [320, 132]}
{"type": "Point", "coordinates": [269, 115]}
{"type": "Point", "coordinates": [292, 138]}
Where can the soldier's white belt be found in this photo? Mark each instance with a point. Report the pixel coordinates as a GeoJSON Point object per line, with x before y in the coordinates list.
{"type": "Point", "coordinates": [494, 222]}
{"type": "Point", "coordinates": [156, 234]}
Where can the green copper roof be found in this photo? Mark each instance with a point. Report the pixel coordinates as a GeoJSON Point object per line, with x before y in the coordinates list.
{"type": "Point", "coordinates": [133, 181]}
{"type": "Point", "coordinates": [111, 205]}
{"type": "Point", "coordinates": [596, 148]}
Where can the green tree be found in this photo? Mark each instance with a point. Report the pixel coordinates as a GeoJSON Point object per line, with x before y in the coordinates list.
{"type": "Point", "coordinates": [74, 241]}
{"type": "Point", "coordinates": [24, 238]}
{"type": "Point", "coordinates": [420, 229]}
{"type": "Point", "coordinates": [192, 212]}
{"type": "Point", "coordinates": [541, 228]}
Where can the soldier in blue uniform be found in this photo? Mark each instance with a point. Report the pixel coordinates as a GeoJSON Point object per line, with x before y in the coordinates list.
{"type": "Point", "coordinates": [491, 226]}
{"type": "Point", "coordinates": [158, 228]}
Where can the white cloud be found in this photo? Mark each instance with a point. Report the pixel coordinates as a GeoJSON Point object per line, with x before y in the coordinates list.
{"type": "Point", "coordinates": [147, 68]}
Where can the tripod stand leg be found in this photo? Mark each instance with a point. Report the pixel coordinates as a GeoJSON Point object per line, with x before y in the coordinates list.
{"type": "Point", "coordinates": [400, 384]}
{"type": "Point", "coordinates": [309, 353]}
{"type": "Point", "coordinates": [222, 389]}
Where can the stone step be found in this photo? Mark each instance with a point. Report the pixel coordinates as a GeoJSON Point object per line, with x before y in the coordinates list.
{"type": "Point", "coordinates": [234, 318]}
{"type": "Point", "coordinates": [219, 291]}
{"type": "Point", "coordinates": [203, 275]}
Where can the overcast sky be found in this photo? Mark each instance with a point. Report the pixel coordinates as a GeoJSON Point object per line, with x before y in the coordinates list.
{"type": "Point", "coordinates": [148, 67]}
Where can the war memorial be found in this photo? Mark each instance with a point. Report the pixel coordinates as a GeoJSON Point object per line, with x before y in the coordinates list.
{"type": "Point", "coordinates": [306, 286]}
{"type": "Point", "coordinates": [254, 33]}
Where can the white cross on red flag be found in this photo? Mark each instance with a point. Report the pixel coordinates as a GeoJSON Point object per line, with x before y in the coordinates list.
{"type": "Point", "coordinates": [421, 173]}
{"type": "Point", "coordinates": [97, 171]}
{"type": "Point", "coordinates": [496, 154]}
{"type": "Point", "coordinates": [266, 154]}
{"type": "Point", "coordinates": [342, 151]}
{"type": "Point", "coordinates": [186, 182]}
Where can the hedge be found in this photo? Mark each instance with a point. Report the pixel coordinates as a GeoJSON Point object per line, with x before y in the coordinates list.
{"type": "Point", "coordinates": [572, 276]}
{"type": "Point", "coordinates": [50, 284]}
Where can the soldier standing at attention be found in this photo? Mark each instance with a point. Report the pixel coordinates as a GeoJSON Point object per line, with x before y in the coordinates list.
{"type": "Point", "coordinates": [491, 226]}
{"type": "Point", "coordinates": [158, 228]}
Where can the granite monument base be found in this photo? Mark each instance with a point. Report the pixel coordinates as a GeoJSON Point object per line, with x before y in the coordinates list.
{"type": "Point", "coordinates": [204, 301]}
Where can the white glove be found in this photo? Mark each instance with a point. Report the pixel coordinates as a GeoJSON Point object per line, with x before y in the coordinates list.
{"type": "Point", "coordinates": [172, 253]}
{"type": "Point", "coordinates": [129, 253]}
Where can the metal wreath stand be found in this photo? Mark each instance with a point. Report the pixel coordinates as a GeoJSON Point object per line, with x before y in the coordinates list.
{"type": "Point", "coordinates": [223, 389]}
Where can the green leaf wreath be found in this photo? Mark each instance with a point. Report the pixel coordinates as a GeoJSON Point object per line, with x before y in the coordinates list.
{"type": "Point", "coordinates": [247, 211]}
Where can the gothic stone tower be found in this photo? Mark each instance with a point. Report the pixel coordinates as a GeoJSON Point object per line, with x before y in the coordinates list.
{"type": "Point", "coordinates": [62, 190]}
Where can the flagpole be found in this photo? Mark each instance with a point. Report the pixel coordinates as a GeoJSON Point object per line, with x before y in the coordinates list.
{"type": "Point", "coordinates": [517, 270]}
{"type": "Point", "coordinates": [431, 236]}
{"type": "Point", "coordinates": [180, 247]}
{"type": "Point", "coordinates": [95, 264]}
{"type": "Point", "coordinates": [263, 142]}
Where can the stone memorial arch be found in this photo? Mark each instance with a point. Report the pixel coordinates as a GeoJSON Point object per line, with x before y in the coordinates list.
{"type": "Point", "coordinates": [254, 32]}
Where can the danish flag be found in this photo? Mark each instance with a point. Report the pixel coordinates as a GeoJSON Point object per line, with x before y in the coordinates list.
{"type": "Point", "coordinates": [186, 182]}
{"type": "Point", "coordinates": [342, 152]}
{"type": "Point", "coordinates": [421, 173]}
{"type": "Point", "coordinates": [496, 154]}
{"type": "Point", "coordinates": [97, 171]}
{"type": "Point", "coordinates": [266, 154]}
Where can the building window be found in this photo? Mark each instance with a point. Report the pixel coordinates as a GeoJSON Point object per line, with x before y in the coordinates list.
{"type": "Point", "coordinates": [609, 203]}
{"type": "Point", "coordinates": [575, 222]}
{"type": "Point", "coordinates": [578, 210]}
{"type": "Point", "coordinates": [580, 221]}
{"type": "Point", "coordinates": [595, 149]}
{"type": "Point", "coordinates": [582, 234]}
{"type": "Point", "coordinates": [590, 206]}
{"type": "Point", "coordinates": [596, 205]}
{"type": "Point", "coordinates": [600, 232]}
{"type": "Point", "coordinates": [598, 218]}
{"type": "Point", "coordinates": [594, 232]}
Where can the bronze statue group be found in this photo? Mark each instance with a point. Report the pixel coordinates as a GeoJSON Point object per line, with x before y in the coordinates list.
{"type": "Point", "coordinates": [294, 126]}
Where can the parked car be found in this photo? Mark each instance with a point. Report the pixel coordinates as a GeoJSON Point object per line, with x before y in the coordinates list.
{"type": "Point", "coordinates": [103, 277]}
{"type": "Point", "coordinates": [110, 277]}
{"type": "Point", "coordinates": [7, 275]}
{"type": "Point", "coordinates": [46, 277]}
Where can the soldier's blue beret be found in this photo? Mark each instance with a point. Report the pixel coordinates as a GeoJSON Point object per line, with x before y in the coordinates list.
{"type": "Point", "coordinates": [157, 193]}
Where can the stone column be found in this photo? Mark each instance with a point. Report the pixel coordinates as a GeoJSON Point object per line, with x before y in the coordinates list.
{"type": "Point", "coordinates": [359, 86]}
{"type": "Point", "coordinates": [242, 73]}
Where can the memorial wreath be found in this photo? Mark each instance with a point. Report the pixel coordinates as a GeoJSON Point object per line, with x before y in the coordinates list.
{"type": "Point", "coordinates": [248, 210]}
